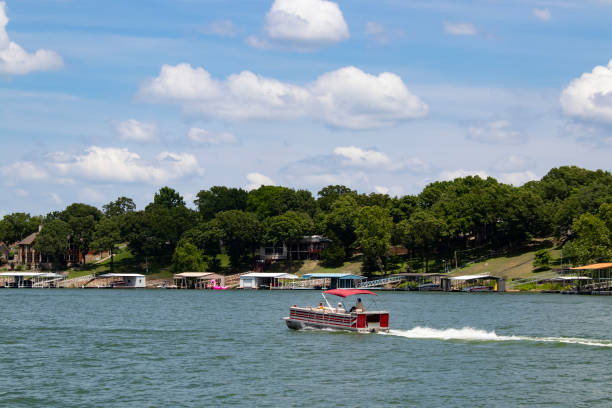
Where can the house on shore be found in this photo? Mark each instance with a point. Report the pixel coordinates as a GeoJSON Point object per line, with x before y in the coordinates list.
{"type": "Point", "coordinates": [309, 247]}
{"type": "Point", "coordinates": [26, 254]}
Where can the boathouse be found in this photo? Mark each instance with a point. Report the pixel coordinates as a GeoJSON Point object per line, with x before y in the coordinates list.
{"type": "Point", "coordinates": [601, 274]}
{"type": "Point", "coordinates": [336, 280]}
{"type": "Point", "coordinates": [30, 279]}
{"type": "Point", "coordinates": [473, 283]}
{"type": "Point", "coordinates": [124, 280]}
{"type": "Point", "coordinates": [198, 280]}
{"type": "Point", "coordinates": [267, 280]}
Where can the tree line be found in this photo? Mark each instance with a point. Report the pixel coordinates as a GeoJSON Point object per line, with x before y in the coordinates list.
{"type": "Point", "coordinates": [466, 214]}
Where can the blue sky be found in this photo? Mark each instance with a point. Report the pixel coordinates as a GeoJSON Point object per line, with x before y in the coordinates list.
{"type": "Point", "coordinates": [102, 99]}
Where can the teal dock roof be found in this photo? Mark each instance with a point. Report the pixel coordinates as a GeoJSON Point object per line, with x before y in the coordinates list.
{"type": "Point", "coordinates": [332, 275]}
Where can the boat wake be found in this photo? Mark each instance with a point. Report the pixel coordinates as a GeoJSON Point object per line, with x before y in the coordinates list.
{"type": "Point", "coordinates": [471, 334]}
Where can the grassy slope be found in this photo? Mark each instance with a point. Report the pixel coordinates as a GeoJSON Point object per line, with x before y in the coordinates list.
{"type": "Point", "coordinates": [509, 267]}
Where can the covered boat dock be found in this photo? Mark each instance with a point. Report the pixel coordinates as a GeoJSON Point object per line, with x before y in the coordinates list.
{"type": "Point", "coordinates": [198, 280]}
{"type": "Point", "coordinates": [473, 283]}
{"type": "Point", "coordinates": [336, 280]}
{"type": "Point", "coordinates": [30, 279]}
{"type": "Point", "coordinates": [601, 276]}
{"type": "Point", "coordinates": [267, 280]}
{"type": "Point", "coordinates": [124, 280]}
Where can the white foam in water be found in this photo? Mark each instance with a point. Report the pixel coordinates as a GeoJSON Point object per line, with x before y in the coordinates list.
{"type": "Point", "coordinates": [471, 334]}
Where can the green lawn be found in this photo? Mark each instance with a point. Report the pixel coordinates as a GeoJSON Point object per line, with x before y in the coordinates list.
{"type": "Point", "coordinates": [509, 267]}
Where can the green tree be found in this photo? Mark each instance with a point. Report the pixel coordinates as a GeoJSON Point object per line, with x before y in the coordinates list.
{"type": "Point", "coordinates": [52, 241]}
{"type": "Point", "coordinates": [327, 195]}
{"type": "Point", "coordinates": [242, 231]}
{"type": "Point", "coordinates": [333, 256]}
{"type": "Point", "coordinates": [592, 241]}
{"type": "Point", "coordinates": [207, 237]}
{"type": "Point", "coordinates": [341, 221]}
{"type": "Point", "coordinates": [187, 257]}
{"type": "Point", "coordinates": [106, 236]}
{"type": "Point", "coordinates": [542, 259]}
{"type": "Point", "coordinates": [16, 226]}
{"type": "Point", "coordinates": [82, 219]}
{"type": "Point", "coordinates": [219, 198]}
{"type": "Point", "coordinates": [373, 231]}
{"type": "Point", "coordinates": [156, 231]}
{"type": "Point", "coordinates": [423, 231]}
{"type": "Point", "coordinates": [120, 206]}
{"type": "Point", "coordinates": [169, 198]}
{"type": "Point", "coordinates": [269, 201]}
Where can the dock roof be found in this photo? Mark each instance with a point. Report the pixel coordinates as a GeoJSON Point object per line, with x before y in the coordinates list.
{"type": "Point", "coordinates": [193, 274]}
{"type": "Point", "coordinates": [277, 275]}
{"type": "Point", "coordinates": [332, 275]}
{"type": "Point", "coordinates": [593, 266]}
{"type": "Point", "coordinates": [121, 275]}
{"type": "Point", "coordinates": [474, 277]}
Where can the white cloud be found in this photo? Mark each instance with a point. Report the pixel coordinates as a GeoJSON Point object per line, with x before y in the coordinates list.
{"type": "Point", "coordinates": [122, 166]}
{"type": "Point", "coordinates": [351, 98]}
{"type": "Point", "coordinates": [590, 96]}
{"type": "Point", "coordinates": [203, 136]}
{"type": "Point", "coordinates": [381, 189]}
{"type": "Point", "coordinates": [460, 28]}
{"type": "Point", "coordinates": [305, 24]}
{"type": "Point", "coordinates": [495, 132]}
{"type": "Point", "coordinates": [19, 192]}
{"type": "Point", "coordinates": [377, 31]}
{"type": "Point", "coordinates": [22, 171]}
{"type": "Point", "coordinates": [55, 198]}
{"type": "Point", "coordinates": [347, 97]}
{"type": "Point", "coordinates": [354, 156]}
{"type": "Point", "coordinates": [223, 28]}
{"type": "Point", "coordinates": [453, 174]}
{"type": "Point", "coordinates": [542, 14]}
{"type": "Point", "coordinates": [14, 60]}
{"type": "Point", "coordinates": [136, 131]}
{"type": "Point", "coordinates": [517, 178]}
{"type": "Point", "coordinates": [91, 195]}
{"type": "Point", "coordinates": [512, 163]}
{"type": "Point", "coordinates": [257, 180]}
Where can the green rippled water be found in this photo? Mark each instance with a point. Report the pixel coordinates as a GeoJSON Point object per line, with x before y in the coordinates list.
{"type": "Point", "coordinates": [163, 348]}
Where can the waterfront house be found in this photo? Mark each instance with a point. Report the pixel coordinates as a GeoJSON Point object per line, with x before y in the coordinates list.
{"type": "Point", "coordinates": [26, 254]}
{"type": "Point", "coordinates": [309, 247]}
{"type": "Point", "coordinates": [267, 280]}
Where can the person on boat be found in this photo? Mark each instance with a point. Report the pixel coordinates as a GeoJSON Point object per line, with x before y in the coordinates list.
{"type": "Point", "coordinates": [358, 307]}
{"type": "Point", "coordinates": [320, 305]}
{"type": "Point", "coordinates": [340, 308]}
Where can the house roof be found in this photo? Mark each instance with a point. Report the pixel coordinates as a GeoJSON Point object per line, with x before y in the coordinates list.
{"type": "Point", "coordinates": [29, 239]}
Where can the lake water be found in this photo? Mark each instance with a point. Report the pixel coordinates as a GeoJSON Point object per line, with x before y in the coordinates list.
{"type": "Point", "coordinates": [164, 348]}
